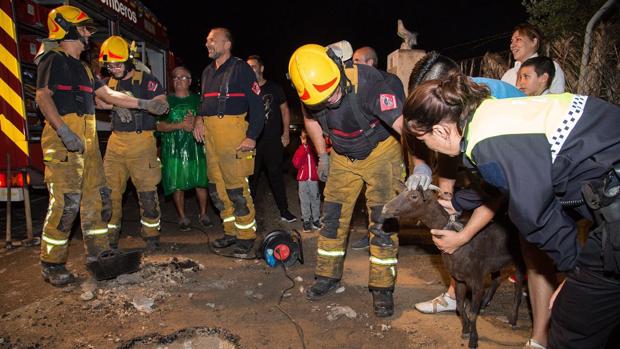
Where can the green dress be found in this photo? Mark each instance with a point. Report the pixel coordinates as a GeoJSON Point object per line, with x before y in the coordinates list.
{"type": "Point", "coordinates": [183, 159]}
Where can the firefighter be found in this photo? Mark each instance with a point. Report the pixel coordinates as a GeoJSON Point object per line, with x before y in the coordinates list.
{"type": "Point", "coordinates": [358, 109]}
{"type": "Point", "coordinates": [229, 93]}
{"type": "Point", "coordinates": [555, 157]}
{"type": "Point", "coordinates": [73, 167]}
{"type": "Point", "coordinates": [132, 151]}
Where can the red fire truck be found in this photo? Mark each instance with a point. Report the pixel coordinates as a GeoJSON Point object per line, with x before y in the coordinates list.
{"type": "Point", "coordinates": [23, 24]}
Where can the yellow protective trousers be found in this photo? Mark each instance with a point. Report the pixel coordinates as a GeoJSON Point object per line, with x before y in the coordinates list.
{"type": "Point", "coordinates": [381, 171]}
{"type": "Point", "coordinates": [133, 155]}
{"type": "Point", "coordinates": [76, 184]}
{"type": "Point", "coordinates": [228, 172]}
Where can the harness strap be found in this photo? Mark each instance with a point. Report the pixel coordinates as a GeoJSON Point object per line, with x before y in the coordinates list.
{"type": "Point", "coordinates": [223, 96]}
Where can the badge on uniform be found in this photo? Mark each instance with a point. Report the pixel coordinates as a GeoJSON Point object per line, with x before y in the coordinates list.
{"type": "Point", "coordinates": [152, 86]}
{"type": "Point", "coordinates": [387, 101]}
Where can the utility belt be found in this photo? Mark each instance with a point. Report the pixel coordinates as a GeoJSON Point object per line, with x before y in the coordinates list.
{"type": "Point", "coordinates": [603, 198]}
{"type": "Point", "coordinates": [242, 115]}
{"type": "Point", "coordinates": [142, 121]}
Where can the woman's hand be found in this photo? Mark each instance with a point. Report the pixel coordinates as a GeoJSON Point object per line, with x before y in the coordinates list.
{"type": "Point", "coordinates": [448, 241]}
{"type": "Point", "coordinates": [188, 124]}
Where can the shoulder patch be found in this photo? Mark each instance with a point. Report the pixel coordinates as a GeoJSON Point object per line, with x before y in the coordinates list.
{"type": "Point", "coordinates": [387, 101]}
{"type": "Point", "coordinates": [152, 86]}
{"type": "Point", "coordinates": [256, 88]}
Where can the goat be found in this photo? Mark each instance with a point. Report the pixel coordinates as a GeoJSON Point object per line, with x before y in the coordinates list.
{"type": "Point", "coordinates": [489, 251]}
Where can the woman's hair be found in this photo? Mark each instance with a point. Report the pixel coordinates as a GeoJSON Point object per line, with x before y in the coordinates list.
{"type": "Point", "coordinates": [453, 99]}
{"type": "Point", "coordinates": [531, 31]}
{"type": "Point", "coordinates": [432, 66]}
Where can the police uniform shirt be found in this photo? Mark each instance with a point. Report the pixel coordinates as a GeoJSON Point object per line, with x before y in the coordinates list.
{"type": "Point", "coordinates": [273, 97]}
{"type": "Point", "coordinates": [243, 93]}
{"type": "Point", "coordinates": [69, 82]}
{"type": "Point", "coordinates": [149, 88]}
{"type": "Point", "coordinates": [377, 100]}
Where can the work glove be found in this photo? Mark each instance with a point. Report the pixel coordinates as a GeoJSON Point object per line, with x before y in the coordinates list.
{"type": "Point", "coordinates": [153, 106]}
{"type": "Point", "coordinates": [422, 176]}
{"type": "Point", "coordinates": [323, 168]}
{"type": "Point", "coordinates": [124, 114]}
{"type": "Point", "coordinates": [70, 139]}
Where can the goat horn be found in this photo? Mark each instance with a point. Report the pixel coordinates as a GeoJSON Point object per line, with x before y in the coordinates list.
{"type": "Point", "coordinates": [434, 187]}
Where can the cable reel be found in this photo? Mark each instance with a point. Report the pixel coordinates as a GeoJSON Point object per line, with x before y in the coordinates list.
{"type": "Point", "coordinates": [282, 247]}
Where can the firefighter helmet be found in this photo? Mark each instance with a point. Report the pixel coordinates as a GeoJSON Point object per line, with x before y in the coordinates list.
{"type": "Point", "coordinates": [114, 49]}
{"type": "Point", "coordinates": [63, 20]}
{"type": "Point", "coordinates": [314, 74]}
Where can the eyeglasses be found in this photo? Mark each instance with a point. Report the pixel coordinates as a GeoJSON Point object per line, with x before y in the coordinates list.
{"type": "Point", "coordinates": [181, 78]}
{"type": "Point", "coordinates": [115, 65]}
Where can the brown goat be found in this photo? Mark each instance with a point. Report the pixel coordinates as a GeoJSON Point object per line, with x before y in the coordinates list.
{"type": "Point", "coordinates": [488, 252]}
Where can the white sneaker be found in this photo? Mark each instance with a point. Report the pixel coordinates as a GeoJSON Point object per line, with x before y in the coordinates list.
{"type": "Point", "coordinates": [441, 303]}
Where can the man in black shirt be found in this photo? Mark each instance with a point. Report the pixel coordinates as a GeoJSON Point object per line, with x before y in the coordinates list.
{"type": "Point", "coordinates": [229, 94]}
{"type": "Point", "coordinates": [275, 136]}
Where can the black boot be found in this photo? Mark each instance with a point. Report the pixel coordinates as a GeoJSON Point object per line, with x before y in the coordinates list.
{"type": "Point", "coordinates": [383, 302]}
{"type": "Point", "coordinates": [152, 244]}
{"type": "Point", "coordinates": [321, 287]}
{"type": "Point", "coordinates": [224, 241]}
{"type": "Point", "coordinates": [243, 246]}
{"type": "Point", "coordinates": [56, 274]}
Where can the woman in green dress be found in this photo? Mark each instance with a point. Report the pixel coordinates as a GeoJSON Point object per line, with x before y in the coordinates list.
{"type": "Point", "coordinates": [183, 159]}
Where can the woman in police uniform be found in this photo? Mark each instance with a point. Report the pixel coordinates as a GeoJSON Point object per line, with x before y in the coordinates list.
{"type": "Point", "coordinates": [539, 151]}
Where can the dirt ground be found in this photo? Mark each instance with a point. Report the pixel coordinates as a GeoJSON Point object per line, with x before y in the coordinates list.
{"type": "Point", "coordinates": [186, 290]}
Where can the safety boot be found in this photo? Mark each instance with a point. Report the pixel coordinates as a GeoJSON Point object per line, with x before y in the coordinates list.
{"type": "Point", "coordinates": [321, 287]}
{"type": "Point", "coordinates": [224, 241]}
{"type": "Point", "coordinates": [152, 244]}
{"type": "Point", "coordinates": [383, 302]}
{"type": "Point", "coordinates": [56, 274]}
{"type": "Point", "coordinates": [243, 246]}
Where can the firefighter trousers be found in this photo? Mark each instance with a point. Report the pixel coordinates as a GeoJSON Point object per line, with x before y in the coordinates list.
{"type": "Point", "coordinates": [380, 171]}
{"type": "Point", "coordinates": [76, 184]}
{"type": "Point", "coordinates": [133, 155]}
{"type": "Point", "coordinates": [228, 172]}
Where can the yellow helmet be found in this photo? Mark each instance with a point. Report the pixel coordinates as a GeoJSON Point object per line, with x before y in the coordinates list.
{"type": "Point", "coordinates": [314, 74]}
{"type": "Point", "coordinates": [114, 49]}
{"type": "Point", "coordinates": [61, 19]}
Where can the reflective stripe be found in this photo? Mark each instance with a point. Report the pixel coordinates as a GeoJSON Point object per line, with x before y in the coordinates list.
{"type": "Point", "coordinates": [386, 261]}
{"type": "Point", "coordinates": [322, 252]}
{"type": "Point", "coordinates": [97, 231]}
{"type": "Point", "coordinates": [229, 219]}
{"type": "Point", "coordinates": [150, 225]}
{"type": "Point", "coordinates": [245, 226]}
{"type": "Point", "coordinates": [54, 241]}
{"type": "Point", "coordinates": [113, 226]}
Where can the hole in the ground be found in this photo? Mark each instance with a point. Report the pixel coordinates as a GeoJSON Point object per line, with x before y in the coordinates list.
{"type": "Point", "coordinates": [188, 338]}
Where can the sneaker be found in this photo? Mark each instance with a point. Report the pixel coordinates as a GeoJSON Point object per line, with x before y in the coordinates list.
{"type": "Point", "coordinates": [441, 303]}
{"type": "Point", "coordinates": [533, 344]}
{"type": "Point", "coordinates": [361, 244]}
{"type": "Point", "coordinates": [206, 221]}
{"type": "Point", "coordinates": [185, 224]}
{"type": "Point", "coordinates": [242, 247]}
{"type": "Point", "coordinates": [321, 287]}
{"type": "Point", "coordinates": [56, 274]}
{"type": "Point", "coordinates": [288, 217]}
{"type": "Point", "coordinates": [307, 227]}
{"type": "Point", "coordinates": [383, 303]}
{"type": "Point", "coordinates": [316, 225]}
{"type": "Point", "coordinates": [224, 241]}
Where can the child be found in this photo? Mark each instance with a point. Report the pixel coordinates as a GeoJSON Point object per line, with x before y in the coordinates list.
{"type": "Point", "coordinates": [305, 161]}
{"type": "Point", "coordinates": [535, 76]}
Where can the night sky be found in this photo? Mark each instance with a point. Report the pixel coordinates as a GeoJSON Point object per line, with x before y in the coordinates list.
{"type": "Point", "coordinates": [274, 29]}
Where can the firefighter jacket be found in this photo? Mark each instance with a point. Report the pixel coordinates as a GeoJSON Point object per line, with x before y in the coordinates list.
{"type": "Point", "coordinates": [354, 135]}
{"type": "Point", "coordinates": [540, 153]}
{"type": "Point", "coordinates": [233, 88]}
